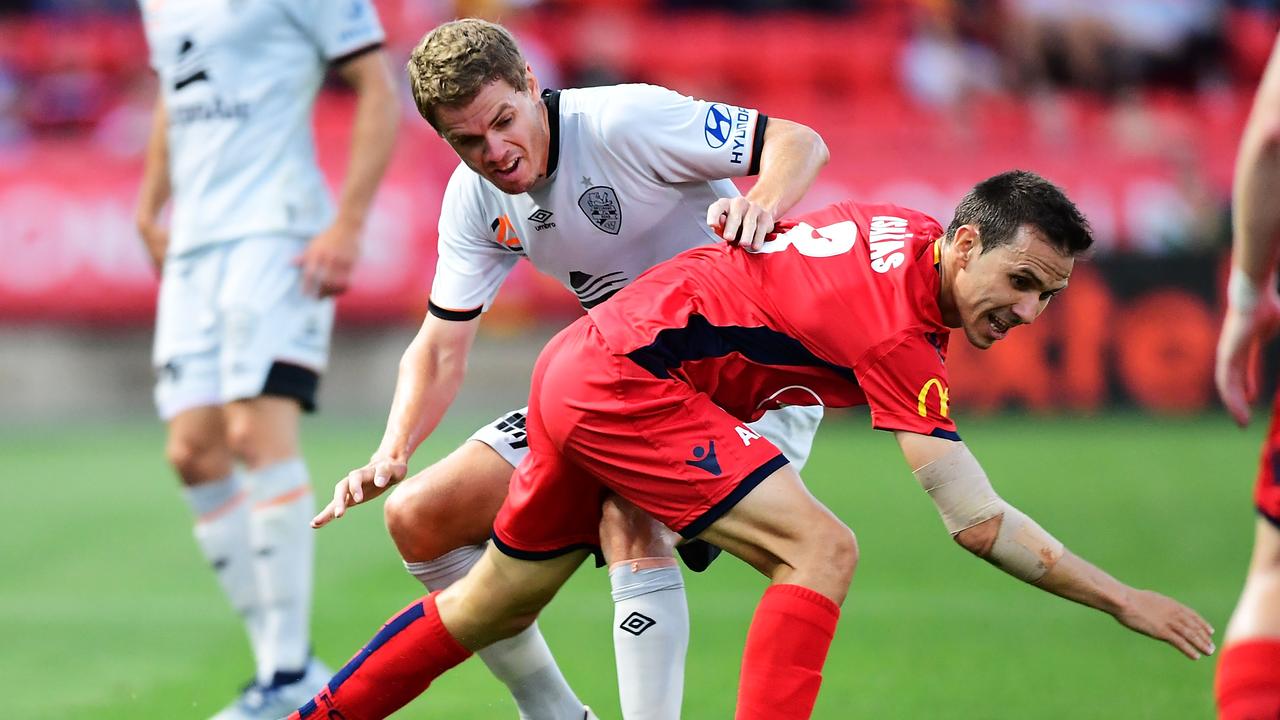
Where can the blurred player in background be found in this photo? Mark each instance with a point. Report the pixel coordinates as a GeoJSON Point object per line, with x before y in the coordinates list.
{"type": "Point", "coordinates": [648, 397]}
{"type": "Point", "coordinates": [1248, 681]}
{"type": "Point", "coordinates": [250, 260]}
{"type": "Point", "coordinates": [593, 186]}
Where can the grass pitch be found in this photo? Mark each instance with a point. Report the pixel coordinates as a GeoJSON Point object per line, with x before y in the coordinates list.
{"type": "Point", "coordinates": [108, 611]}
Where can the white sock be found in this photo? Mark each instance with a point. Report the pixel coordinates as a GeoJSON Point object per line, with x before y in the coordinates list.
{"type": "Point", "coordinates": [523, 662]}
{"type": "Point", "coordinates": [283, 556]}
{"type": "Point", "coordinates": [650, 637]}
{"type": "Point", "coordinates": [222, 532]}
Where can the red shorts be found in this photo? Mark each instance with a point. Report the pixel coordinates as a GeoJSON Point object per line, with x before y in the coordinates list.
{"type": "Point", "coordinates": [1266, 493]}
{"type": "Point", "coordinates": [598, 422]}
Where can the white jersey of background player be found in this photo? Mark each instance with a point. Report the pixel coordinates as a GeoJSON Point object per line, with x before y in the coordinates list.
{"type": "Point", "coordinates": [253, 250]}
{"type": "Point", "coordinates": [594, 186]}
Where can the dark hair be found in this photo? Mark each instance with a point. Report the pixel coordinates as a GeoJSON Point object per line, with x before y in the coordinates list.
{"type": "Point", "coordinates": [1003, 203]}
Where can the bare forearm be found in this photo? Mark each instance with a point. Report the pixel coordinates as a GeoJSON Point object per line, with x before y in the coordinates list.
{"type": "Point", "coordinates": [1257, 181]}
{"type": "Point", "coordinates": [373, 136]}
{"type": "Point", "coordinates": [155, 189]}
{"type": "Point", "coordinates": [1075, 578]}
{"type": "Point", "coordinates": [427, 384]}
{"type": "Point", "coordinates": [790, 161]}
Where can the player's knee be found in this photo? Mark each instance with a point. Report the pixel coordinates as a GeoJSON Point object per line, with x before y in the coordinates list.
{"type": "Point", "coordinates": [245, 442]}
{"type": "Point", "coordinates": [842, 549]}
{"type": "Point", "coordinates": [429, 515]}
{"type": "Point", "coordinates": [407, 523]}
{"type": "Point", "coordinates": [627, 532]}
{"type": "Point", "coordinates": [197, 459]}
{"type": "Point", "coordinates": [832, 550]}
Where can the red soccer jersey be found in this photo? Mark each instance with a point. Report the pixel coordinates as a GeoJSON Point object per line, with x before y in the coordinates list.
{"type": "Point", "coordinates": [840, 309]}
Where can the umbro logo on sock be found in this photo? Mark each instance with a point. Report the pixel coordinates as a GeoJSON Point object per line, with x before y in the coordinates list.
{"type": "Point", "coordinates": [705, 458]}
{"type": "Point", "coordinates": [636, 623]}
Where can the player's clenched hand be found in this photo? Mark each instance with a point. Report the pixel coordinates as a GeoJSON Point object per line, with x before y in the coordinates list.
{"type": "Point", "coordinates": [1166, 619]}
{"type": "Point", "coordinates": [359, 486]}
{"type": "Point", "coordinates": [329, 259]}
{"type": "Point", "coordinates": [1236, 371]}
{"type": "Point", "coordinates": [740, 222]}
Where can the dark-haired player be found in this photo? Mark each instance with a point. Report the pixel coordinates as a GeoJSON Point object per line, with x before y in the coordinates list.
{"type": "Point", "coordinates": [648, 397]}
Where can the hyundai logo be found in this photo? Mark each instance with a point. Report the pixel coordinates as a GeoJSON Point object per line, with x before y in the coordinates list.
{"type": "Point", "coordinates": [718, 125]}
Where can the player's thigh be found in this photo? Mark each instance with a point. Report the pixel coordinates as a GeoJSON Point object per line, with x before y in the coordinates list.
{"type": "Point", "coordinates": [263, 430]}
{"type": "Point", "coordinates": [784, 532]}
{"type": "Point", "coordinates": [502, 595]}
{"type": "Point", "coordinates": [273, 337]}
{"type": "Point", "coordinates": [196, 445]}
{"type": "Point", "coordinates": [450, 504]}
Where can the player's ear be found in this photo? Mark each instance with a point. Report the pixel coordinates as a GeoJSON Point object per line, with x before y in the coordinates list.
{"type": "Point", "coordinates": [967, 244]}
{"type": "Point", "coordinates": [531, 80]}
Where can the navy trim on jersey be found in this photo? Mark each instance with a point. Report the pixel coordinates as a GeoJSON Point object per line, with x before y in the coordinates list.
{"type": "Point", "coordinates": [551, 98]}
{"type": "Point", "coordinates": [348, 57]}
{"type": "Point", "coordinates": [453, 315]}
{"type": "Point", "coordinates": [757, 144]}
{"type": "Point", "coordinates": [409, 616]}
{"type": "Point", "coordinates": [699, 340]}
{"type": "Point", "coordinates": [749, 483]}
{"type": "Point", "coordinates": [945, 434]}
{"type": "Point", "coordinates": [293, 381]}
{"type": "Point", "coordinates": [1275, 521]}
{"type": "Point", "coordinates": [536, 555]}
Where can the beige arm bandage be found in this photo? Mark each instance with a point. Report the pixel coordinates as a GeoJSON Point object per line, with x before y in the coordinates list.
{"type": "Point", "coordinates": [965, 498]}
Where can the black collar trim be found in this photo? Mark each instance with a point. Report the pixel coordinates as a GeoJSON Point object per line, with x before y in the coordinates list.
{"type": "Point", "coordinates": [551, 98]}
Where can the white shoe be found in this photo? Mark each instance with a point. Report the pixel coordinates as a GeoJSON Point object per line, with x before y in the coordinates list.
{"type": "Point", "coordinates": [587, 714]}
{"type": "Point", "coordinates": [273, 702]}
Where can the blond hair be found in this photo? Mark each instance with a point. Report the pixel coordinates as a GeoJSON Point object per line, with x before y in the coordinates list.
{"type": "Point", "coordinates": [455, 60]}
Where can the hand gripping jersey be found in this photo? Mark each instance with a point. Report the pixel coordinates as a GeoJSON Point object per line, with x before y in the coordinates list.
{"type": "Point", "coordinates": [238, 79]}
{"type": "Point", "coordinates": [840, 310]}
{"type": "Point", "coordinates": [630, 174]}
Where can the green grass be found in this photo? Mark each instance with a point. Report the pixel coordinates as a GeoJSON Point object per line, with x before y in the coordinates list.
{"type": "Point", "coordinates": [108, 612]}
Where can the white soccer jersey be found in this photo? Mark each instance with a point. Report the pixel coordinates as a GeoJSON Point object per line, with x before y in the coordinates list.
{"type": "Point", "coordinates": [631, 172]}
{"type": "Point", "coordinates": [238, 79]}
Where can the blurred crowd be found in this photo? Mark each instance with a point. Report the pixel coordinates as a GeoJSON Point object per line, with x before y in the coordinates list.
{"type": "Point", "coordinates": [1141, 69]}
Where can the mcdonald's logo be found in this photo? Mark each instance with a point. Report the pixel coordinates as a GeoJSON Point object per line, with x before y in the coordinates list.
{"type": "Point", "coordinates": [923, 408]}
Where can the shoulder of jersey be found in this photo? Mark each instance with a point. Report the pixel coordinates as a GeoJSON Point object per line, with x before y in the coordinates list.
{"type": "Point", "coordinates": [614, 105]}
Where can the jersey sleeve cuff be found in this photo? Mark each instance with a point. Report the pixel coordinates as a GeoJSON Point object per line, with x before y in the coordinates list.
{"type": "Point", "coordinates": [453, 315]}
{"type": "Point", "coordinates": [757, 144]}
{"type": "Point", "coordinates": [353, 54]}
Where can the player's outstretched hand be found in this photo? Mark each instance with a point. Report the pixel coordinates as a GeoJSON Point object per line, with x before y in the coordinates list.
{"type": "Point", "coordinates": [359, 486]}
{"type": "Point", "coordinates": [1236, 371]}
{"type": "Point", "coordinates": [1166, 619]}
{"type": "Point", "coordinates": [328, 260]}
{"type": "Point", "coordinates": [740, 222]}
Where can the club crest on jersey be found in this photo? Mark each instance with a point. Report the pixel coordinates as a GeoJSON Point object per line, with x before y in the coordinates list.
{"type": "Point", "coordinates": [600, 204]}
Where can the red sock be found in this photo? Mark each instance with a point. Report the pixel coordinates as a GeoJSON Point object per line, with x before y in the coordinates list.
{"type": "Point", "coordinates": [786, 647]}
{"type": "Point", "coordinates": [1247, 686]}
{"type": "Point", "coordinates": [397, 665]}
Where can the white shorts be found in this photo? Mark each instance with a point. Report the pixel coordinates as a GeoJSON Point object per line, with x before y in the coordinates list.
{"type": "Point", "coordinates": [233, 323]}
{"type": "Point", "coordinates": [791, 429]}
